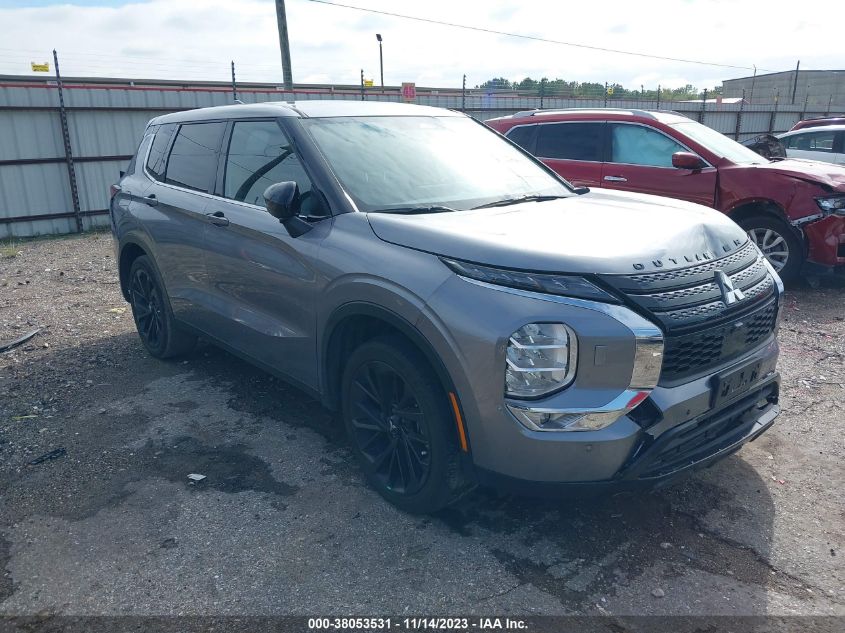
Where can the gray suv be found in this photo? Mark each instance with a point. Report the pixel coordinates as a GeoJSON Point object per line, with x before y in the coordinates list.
{"type": "Point", "coordinates": [473, 317]}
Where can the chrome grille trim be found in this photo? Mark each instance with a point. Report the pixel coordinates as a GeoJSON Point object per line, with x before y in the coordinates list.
{"type": "Point", "coordinates": [708, 309]}
{"type": "Point", "coordinates": [701, 330]}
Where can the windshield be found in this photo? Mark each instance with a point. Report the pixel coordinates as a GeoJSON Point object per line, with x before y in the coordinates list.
{"type": "Point", "coordinates": [388, 163]}
{"type": "Point", "coordinates": [719, 144]}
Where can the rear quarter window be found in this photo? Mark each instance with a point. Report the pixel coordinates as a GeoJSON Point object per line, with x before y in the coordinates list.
{"type": "Point", "coordinates": [157, 160]}
{"type": "Point", "coordinates": [523, 135]}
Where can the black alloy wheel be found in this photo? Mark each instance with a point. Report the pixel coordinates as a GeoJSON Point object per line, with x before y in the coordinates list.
{"type": "Point", "coordinates": [147, 308]}
{"type": "Point", "coordinates": [401, 427]}
{"type": "Point", "coordinates": [389, 428]}
{"type": "Point", "coordinates": [159, 332]}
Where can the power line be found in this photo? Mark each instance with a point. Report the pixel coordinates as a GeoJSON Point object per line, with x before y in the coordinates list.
{"type": "Point", "coordinates": [530, 37]}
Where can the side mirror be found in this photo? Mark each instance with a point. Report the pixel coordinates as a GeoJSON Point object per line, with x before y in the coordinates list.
{"type": "Point", "coordinates": [687, 160]}
{"type": "Point", "coordinates": [283, 201]}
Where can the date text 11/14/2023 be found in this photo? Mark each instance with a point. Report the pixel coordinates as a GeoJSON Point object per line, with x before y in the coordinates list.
{"type": "Point", "coordinates": [416, 624]}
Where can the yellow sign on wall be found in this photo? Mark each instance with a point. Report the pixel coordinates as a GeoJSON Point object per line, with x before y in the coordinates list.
{"type": "Point", "coordinates": [368, 83]}
{"type": "Point", "coordinates": [40, 68]}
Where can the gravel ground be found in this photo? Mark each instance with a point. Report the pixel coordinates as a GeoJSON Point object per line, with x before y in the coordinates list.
{"type": "Point", "coordinates": [97, 515]}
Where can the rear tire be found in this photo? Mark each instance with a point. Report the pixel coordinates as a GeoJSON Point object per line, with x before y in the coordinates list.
{"type": "Point", "coordinates": [400, 427]}
{"type": "Point", "coordinates": [152, 313]}
{"type": "Point", "coordinates": [778, 242]}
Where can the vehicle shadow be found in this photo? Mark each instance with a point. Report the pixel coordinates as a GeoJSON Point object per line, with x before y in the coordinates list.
{"type": "Point", "coordinates": [713, 528]}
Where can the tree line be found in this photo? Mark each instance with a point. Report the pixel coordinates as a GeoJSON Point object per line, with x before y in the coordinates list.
{"type": "Point", "coordinates": [562, 88]}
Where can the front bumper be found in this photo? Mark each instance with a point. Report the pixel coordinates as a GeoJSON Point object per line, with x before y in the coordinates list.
{"type": "Point", "coordinates": [825, 246]}
{"type": "Point", "coordinates": [695, 444]}
{"type": "Point", "coordinates": [674, 431]}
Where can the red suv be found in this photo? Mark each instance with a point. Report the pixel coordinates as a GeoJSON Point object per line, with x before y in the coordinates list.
{"type": "Point", "coordinates": [793, 209]}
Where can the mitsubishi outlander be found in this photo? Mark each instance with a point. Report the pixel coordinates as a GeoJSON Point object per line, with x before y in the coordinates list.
{"type": "Point", "coordinates": [473, 317]}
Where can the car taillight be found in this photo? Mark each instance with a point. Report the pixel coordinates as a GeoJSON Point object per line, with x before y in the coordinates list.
{"type": "Point", "coordinates": [113, 191]}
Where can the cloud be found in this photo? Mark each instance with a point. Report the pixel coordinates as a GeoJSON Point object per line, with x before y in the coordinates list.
{"type": "Point", "coordinates": [196, 39]}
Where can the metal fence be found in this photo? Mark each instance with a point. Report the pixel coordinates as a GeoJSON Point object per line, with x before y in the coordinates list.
{"type": "Point", "coordinates": [49, 186]}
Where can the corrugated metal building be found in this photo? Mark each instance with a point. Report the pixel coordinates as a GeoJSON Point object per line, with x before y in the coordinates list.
{"type": "Point", "coordinates": [815, 88]}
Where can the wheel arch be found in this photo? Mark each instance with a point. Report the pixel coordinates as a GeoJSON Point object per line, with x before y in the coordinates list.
{"type": "Point", "coordinates": [356, 322]}
{"type": "Point", "coordinates": [757, 206]}
{"type": "Point", "coordinates": [767, 208]}
{"type": "Point", "coordinates": [129, 252]}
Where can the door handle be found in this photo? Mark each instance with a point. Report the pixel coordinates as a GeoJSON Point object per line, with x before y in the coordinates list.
{"type": "Point", "coordinates": [218, 218]}
{"type": "Point", "coordinates": [150, 200]}
{"type": "Point", "coordinates": [615, 179]}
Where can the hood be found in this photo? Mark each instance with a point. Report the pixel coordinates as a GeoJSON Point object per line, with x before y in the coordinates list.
{"type": "Point", "coordinates": [825, 174]}
{"type": "Point", "coordinates": [602, 231]}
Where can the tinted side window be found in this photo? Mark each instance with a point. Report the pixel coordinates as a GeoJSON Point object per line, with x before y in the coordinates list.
{"type": "Point", "coordinates": [261, 155]}
{"type": "Point", "coordinates": [822, 141]}
{"type": "Point", "coordinates": [639, 145]}
{"type": "Point", "coordinates": [571, 141]}
{"type": "Point", "coordinates": [523, 135]}
{"type": "Point", "coordinates": [157, 160]}
{"type": "Point", "coordinates": [193, 159]}
{"type": "Point", "coordinates": [812, 142]}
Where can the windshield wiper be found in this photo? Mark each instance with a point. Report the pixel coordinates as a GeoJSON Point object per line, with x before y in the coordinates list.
{"type": "Point", "coordinates": [518, 200]}
{"type": "Point", "coordinates": [433, 208]}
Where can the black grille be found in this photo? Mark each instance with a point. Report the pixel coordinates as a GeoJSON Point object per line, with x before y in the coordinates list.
{"type": "Point", "coordinates": [701, 330]}
{"type": "Point", "coordinates": [694, 352]}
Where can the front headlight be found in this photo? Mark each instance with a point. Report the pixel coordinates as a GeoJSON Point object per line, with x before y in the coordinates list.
{"type": "Point", "coordinates": [541, 358]}
{"type": "Point", "coordinates": [832, 204]}
{"type": "Point", "coordinates": [565, 285]}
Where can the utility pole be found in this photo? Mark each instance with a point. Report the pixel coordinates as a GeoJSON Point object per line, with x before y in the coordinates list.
{"type": "Point", "coordinates": [753, 80]}
{"type": "Point", "coordinates": [795, 82]}
{"type": "Point", "coordinates": [464, 95]}
{"type": "Point", "coordinates": [282, 20]}
{"type": "Point", "coordinates": [738, 129]}
{"type": "Point", "coordinates": [234, 85]}
{"type": "Point", "coordinates": [380, 60]}
{"type": "Point", "coordinates": [362, 84]}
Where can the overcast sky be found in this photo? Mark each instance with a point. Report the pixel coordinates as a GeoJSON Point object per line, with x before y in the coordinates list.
{"type": "Point", "coordinates": [196, 39]}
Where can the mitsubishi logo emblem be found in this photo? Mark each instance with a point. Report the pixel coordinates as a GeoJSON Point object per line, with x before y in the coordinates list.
{"type": "Point", "coordinates": [730, 293]}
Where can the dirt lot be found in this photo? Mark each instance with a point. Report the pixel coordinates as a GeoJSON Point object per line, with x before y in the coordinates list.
{"type": "Point", "coordinates": [108, 523]}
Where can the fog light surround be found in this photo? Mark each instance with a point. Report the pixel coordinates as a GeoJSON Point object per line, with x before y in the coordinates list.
{"type": "Point", "coordinates": [538, 419]}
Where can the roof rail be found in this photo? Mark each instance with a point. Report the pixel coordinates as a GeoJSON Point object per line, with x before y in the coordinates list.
{"type": "Point", "coordinates": [526, 112]}
{"type": "Point", "coordinates": [536, 111]}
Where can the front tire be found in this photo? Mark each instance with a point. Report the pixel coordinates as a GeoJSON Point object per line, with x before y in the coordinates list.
{"type": "Point", "coordinates": [778, 243]}
{"type": "Point", "coordinates": [152, 313]}
{"type": "Point", "coordinates": [400, 427]}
